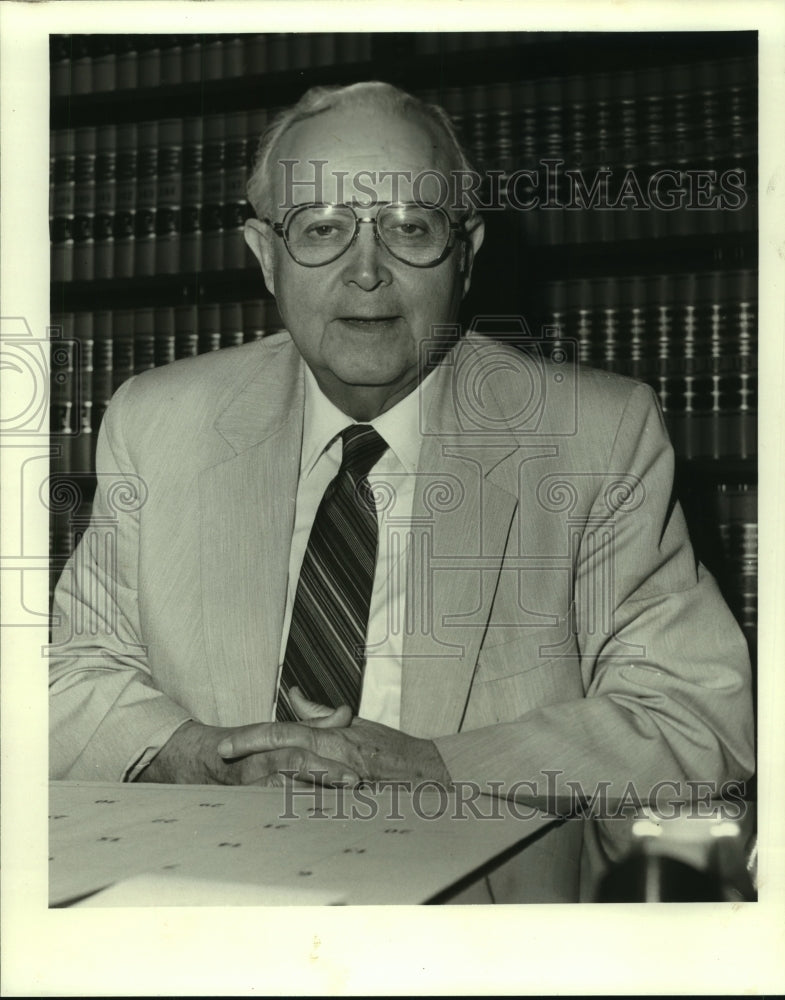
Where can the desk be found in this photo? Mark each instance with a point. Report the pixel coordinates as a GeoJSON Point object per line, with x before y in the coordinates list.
{"type": "Point", "coordinates": [191, 845]}
{"type": "Point", "coordinates": [117, 844]}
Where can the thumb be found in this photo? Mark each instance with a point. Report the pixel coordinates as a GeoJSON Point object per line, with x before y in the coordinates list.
{"type": "Point", "coordinates": [316, 715]}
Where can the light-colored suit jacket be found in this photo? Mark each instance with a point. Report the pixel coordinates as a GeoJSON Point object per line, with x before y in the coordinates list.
{"type": "Point", "coordinates": [557, 620]}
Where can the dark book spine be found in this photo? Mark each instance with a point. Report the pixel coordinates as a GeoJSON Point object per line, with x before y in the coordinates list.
{"type": "Point", "coordinates": [233, 59]}
{"type": "Point", "coordinates": [550, 214]}
{"type": "Point", "coordinates": [60, 65]}
{"type": "Point", "coordinates": [631, 215]}
{"type": "Point", "coordinates": [144, 340]}
{"type": "Point", "coordinates": [253, 320]}
{"type": "Point", "coordinates": [577, 216]}
{"type": "Point", "coordinates": [169, 197]}
{"type": "Point", "coordinates": [164, 336]}
{"type": "Point", "coordinates": [209, 328]}
{"type": "Point", "coordinates": [63, 208]}
{"type": "Point", "coordinates": [255, 54]}
{"type": "Point", "coordinates": [127, 63]}
{"type": "Point", "coordinates": [740, 167]}
{"type": "Point", "coordinates": [124, 219]}
{"type": "Point", "coordinates": [213, 193]}
{"type": "Point", "coordinates": [708, 124]}
{"type": "Point", "coordinates": [192, 58]}
{"type": "Point", "coordinates": [171, 60]}
{"type": "Point", "coordinates": [477, 125]}
{"type": "Point", "coordinates": [104, 56]}
{"type": "Point", "coordinates": [231, 320]}
{"type": "Point", "coordinates": [350, 47]}
{"type": "Point", "coordinates": [660, 315]}
{"type": "Point", "coordinates": [746, 320]}
{"type": "Point", "coordinates": [82, 448]}
{"type": "Point", "coordinates": [105, 200]}
{"type": "Point", "coordinates": [715, 312]}
{"type": "Point", "coordinates": [84, 204]}
{"type": "Point", "coordinates": [681, 124]}
{"type": "Point", "coordinates": [581, 320]}
{"type": "Point", "coordinates": [81, 65]}
{"type": "Point", "coordinates": [736, 509]}
{"type": "Point", "coordinates": [304, 50]}
{"type": "Point", "coordinates": [651, 84]}
{"type": "Point", "coordinates": [277, 44]}
{"type": "Point", "coordinates": [123, 346]}
{"type": "Point", "coordinates": [146, 199]}
{"type": "Point", "coordinates": [611, 335]}
{"type": "Point", "coordinates": [52, 168]}
{"type": "Point", "coordinates": [600, 225]}
{"type": "Point", "coordinates": [186, 332]}
{"type": "Point", "coordinates": [61, 361]}
{"type": "Point", "coordinates": [103, 366]}
{"type": "Point", "coordinates": [257, 122]}
{"type": "Point", "coordinates": [149, 60]}
{"type": "Point", "coordinates": [212, 57]}
{"type": "Point", "coordinates": [638, 360]}
{"type": "Point", "coordinates": [191, 214]}
{"type": "Point", "coordinates": [62, 423]}
{"type": "Point", "coordinates": [234, 205]}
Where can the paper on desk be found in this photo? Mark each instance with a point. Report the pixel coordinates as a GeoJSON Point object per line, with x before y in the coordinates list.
{"type": "Point", "coordinates": [322, 844]}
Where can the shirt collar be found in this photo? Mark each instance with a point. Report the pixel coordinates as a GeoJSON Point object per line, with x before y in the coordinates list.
{"type": "Point", "coordinates": [399, 426]}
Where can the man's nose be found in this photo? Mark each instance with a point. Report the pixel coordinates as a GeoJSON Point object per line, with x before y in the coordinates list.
{"type": "Point", "coordinates": [364, 261]}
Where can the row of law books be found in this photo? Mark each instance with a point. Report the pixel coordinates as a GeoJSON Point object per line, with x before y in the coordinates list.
{"type": "Point", "coordinates": [692, 337]}
{"type": "Point", "coordinates": [85, 64]}
{"type": "Point", "coordinates": [91, 355]}
{"type": "Point", "coordinates": [165, 197]}
{"type": "Point", "coordinates": [93, 352]}
{"type": "Point", "coordinates": [735, 509]}
{"type": "Point", "coordinates": [645, 153]}
{"type": "Point", "coordinates": [154, 197]}
{"type": "Point", "coordinates": [699, 109]}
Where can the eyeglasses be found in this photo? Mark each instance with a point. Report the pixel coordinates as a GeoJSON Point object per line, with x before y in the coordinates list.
{"type": "Point", "coordinates": [417, 234]}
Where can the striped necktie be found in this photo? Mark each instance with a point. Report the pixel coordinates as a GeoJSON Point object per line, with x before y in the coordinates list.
{"type": "Point", "coordinates": [325, 651]}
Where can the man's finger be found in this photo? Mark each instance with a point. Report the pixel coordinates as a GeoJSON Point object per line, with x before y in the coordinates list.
{"type": "Point", "coordinates": [265, 736]}
{"type": "Point", "coordinates": [319, 716]}
{"type": "Point", "coordinates": [295, 764]}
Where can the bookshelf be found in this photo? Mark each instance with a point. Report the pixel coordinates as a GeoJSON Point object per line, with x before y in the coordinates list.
{"type": "Point", "coordinates": [152, 137]}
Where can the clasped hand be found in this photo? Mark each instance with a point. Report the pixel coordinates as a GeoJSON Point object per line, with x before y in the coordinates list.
{"type": "Point", "coordinates": [327, 746]}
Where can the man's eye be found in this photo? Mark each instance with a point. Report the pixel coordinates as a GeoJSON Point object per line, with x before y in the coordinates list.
{"type": "Point", "coordinates": [409, 229]}
{"type": "Point", "coordinates": [321, 230]}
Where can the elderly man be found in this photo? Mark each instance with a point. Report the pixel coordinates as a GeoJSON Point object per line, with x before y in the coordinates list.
{"type": "Point", "coordinates": [370, 548]}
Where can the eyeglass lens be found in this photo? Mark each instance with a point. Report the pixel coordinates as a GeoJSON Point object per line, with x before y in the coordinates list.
{"type": "Point", "coordinates": [414, 233]}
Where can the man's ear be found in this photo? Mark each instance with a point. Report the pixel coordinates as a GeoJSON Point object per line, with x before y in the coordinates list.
{"type": "Point", "coordinates": [259, 236]}
{"type": "Point", "coordinates": [475, 234]}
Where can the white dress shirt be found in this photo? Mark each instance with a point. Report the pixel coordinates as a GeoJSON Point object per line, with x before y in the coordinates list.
{"type": "Point", "coordinates": [392, 479]}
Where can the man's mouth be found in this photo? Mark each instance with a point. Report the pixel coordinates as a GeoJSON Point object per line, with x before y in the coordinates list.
{"type": "Point", "coordinates": [367, 322]}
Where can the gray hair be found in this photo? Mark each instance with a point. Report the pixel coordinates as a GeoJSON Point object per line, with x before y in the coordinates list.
{"type": "Point", "coordinates": [320, 99]}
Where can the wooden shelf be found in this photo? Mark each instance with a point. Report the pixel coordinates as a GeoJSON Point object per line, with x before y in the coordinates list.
{"type": "Point", "coordinates": [702, 472]}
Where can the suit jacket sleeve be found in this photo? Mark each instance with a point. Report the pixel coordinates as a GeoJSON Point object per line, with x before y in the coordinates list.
{"type": "Point", "coordinates": [680, 709]}
{"type": "Point", "coordinates": [107, 718]}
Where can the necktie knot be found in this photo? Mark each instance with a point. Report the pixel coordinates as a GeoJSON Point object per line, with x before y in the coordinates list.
{"type": "Point", "coordinates": [362, 449]}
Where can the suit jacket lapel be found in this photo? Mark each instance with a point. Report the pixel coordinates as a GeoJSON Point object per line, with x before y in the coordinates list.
{"type": "Point", "coordinates": [464, 504]}
{"type": "Point", "coordinates": [247, 507]}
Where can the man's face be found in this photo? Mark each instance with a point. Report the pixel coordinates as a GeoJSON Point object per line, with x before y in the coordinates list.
{"type": "Point", "coordinates": [359, 320]}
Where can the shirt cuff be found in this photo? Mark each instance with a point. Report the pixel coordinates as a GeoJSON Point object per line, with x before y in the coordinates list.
{"type": "Point", "coordinates": [156, 743]}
